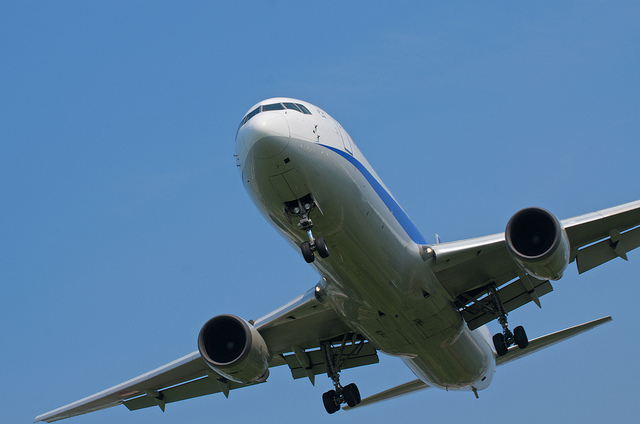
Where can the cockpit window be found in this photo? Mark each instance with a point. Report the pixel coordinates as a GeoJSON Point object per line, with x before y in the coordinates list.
{"type": "Point", "coordinates": [253, 113]}
{"type": "Point", "coordinates": [304, 109]}
{"type": "Point", "coordinates": [275, 106]}
{"type": "Point", "coordinates": [292, 106]}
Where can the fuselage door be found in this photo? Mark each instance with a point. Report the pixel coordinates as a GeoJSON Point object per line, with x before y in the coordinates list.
{"type": "Point", "coordinates": [346, 140]}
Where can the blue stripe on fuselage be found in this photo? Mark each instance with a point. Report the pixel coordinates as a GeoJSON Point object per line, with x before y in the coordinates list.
{"type": "Point", "coordinates": [402, 218]}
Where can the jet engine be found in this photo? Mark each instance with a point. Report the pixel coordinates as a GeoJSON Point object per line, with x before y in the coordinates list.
{"type": "Point", "coordinates": [538, 243]}
{"type": "Point", "coordinates": [234, 349]}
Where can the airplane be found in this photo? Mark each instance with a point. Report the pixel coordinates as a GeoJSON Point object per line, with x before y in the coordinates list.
{"type": "Point", "coordinates": [382, 288]}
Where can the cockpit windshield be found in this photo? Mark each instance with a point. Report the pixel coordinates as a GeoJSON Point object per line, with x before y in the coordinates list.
{"type": "Point", "coordinates": [275, 106]}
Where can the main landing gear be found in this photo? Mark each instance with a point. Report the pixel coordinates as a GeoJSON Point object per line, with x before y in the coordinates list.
{"type": "Point", "coordinates": [302, 208]}
{"type": "Point", "coordinates": [502, 341]}
{"type": "Point", "coordinates": [348, 394]}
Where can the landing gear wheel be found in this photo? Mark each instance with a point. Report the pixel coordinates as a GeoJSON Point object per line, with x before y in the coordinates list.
{"type": "Point", "coordinates": [499, 344]}
{"type": "Point", "coordinates": [330, 400]}
{"type": "Point", "coordinates": [307, 253]}
{"type": "Point", "coordinates": [351, 395]}
{"type": "Point", "coordinates": [321, 247]}
{"type": "Point", "coordinates": [520, 337]}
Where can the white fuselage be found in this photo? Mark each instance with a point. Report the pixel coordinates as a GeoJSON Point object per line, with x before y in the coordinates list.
{"type": "Point", "coordinates": [375, 277]}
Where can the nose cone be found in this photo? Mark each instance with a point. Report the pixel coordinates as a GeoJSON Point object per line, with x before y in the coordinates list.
{"type": "Point", "coordinates": [266, 135]}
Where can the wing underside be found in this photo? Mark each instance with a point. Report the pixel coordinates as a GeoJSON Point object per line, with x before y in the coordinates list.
{"type": "Point", "coordinates": [300, 335]}
{"type": "Point", "coordinates": [513, 354]}
{"type": "Point", "coordinates": [470, 270]}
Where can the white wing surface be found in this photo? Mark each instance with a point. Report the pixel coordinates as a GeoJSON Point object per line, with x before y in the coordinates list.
{"type": "Point", "coordinates": [291, 332]}
{"type": "Point", "coordinates": [514, 353]}
{"type": "Point", "coordinates": [468, 268]}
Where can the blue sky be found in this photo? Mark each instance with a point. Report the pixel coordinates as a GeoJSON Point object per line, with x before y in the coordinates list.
{"type": "Point", "coordinates": [125, 226]}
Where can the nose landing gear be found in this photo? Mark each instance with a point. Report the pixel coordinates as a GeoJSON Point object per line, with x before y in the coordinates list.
{"type": "Point", "coordinates": [302, 208]}
{"type": "Point", "coordinates": [318, 245]}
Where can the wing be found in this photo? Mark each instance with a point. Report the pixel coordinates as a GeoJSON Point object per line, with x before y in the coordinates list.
{"type": "Point", "coordinates": [469, 268]}
{"type": "Point", "coordinates": [513, 354]}
{"type": "Point", "coordinates": [293, 334]}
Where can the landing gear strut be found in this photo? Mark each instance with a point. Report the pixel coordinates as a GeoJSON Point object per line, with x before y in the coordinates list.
{"type": "Point", "coordinates": [502, 341]}
{"type": "Point", "coordinates": [302, 208]}
{"type": "Point", "coordinates": [348, 394]}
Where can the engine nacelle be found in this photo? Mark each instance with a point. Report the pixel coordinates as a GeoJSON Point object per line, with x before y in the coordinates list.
{"type": "Point", "coordinates": [538, 243]}
{"type": "Point", "coordinates": [234, 349]}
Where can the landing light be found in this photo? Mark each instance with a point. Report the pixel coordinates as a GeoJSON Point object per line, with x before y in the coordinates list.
{"type": "Point", "coordinates": [427, 253]}
{"type": "Point", "coordinates": [319, 290]}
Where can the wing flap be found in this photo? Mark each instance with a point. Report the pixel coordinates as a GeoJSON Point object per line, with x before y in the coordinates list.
{"type": "Point", "coordinates": [591, 227]}
{"type": "Point", "coordinates": [310, 363]}
{"type": "Point", "coordinates": [603, 251]}
{"type": "Point", "coordinates": [513, 296]}
{"type": "Point", "coordinates": [200, 387]}
{"type": "Point", "coordinates": [188, 367]}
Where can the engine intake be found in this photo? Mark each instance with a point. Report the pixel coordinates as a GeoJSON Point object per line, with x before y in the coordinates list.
{"type": "Point", "coordinates": [538, 243]}
{"type": "Point", "coordinates": [234, 349]}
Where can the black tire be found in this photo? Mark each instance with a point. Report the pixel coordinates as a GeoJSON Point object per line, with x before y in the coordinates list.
{"type": "Point", "coordinates": [329, 400]}
{"type": "Point", "coordinates": [351, 395]}
{"type": "Point", "coordinates": [321, 247]}
{"type": "Point", "coordinates": [520, 337]}
{"type": "Point", "coordinates": [499, 344]}
{"type": "Point", "coordinates": [307, 253]}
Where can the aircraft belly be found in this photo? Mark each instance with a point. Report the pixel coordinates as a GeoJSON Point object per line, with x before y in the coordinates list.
{"type": "Point", "coordinates": [466, 364]}
{"type": "Point", "coordinates": [374, 277]}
